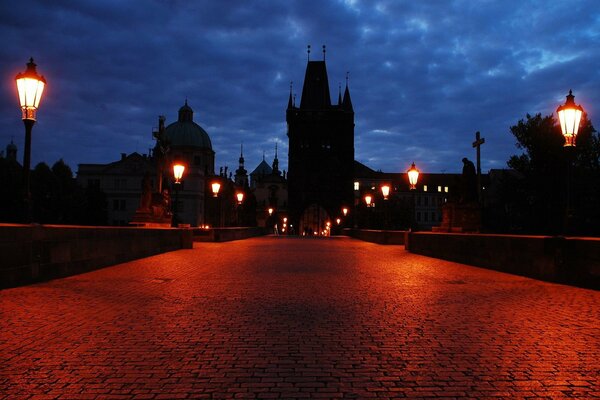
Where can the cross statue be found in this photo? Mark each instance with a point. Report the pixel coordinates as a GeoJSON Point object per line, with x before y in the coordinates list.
{"type": "Point", "coordinates": [477, 143]}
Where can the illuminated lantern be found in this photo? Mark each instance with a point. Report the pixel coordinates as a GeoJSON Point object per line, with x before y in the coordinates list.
{"type": "Point", "coordinates": [413, 176]}
{"type": "Point", "coordinates": [569, 115]}
{"type": "Point", "coordinates": [30, 86]}
{"type": "Point", "coordinates": [240, 197]}
{"type": "Point", "coordinates": [385, 190]}
{"type": "Point", "coordinates": [178, 170]}
{"type": "Point", "coordinates": [215, 188]}
{"type": "Point", "coordinates": [368, 199]}
{"type": "Point", "coordinates": [270, 210]}
{"type": "Point", "coordinates": [345, 211]}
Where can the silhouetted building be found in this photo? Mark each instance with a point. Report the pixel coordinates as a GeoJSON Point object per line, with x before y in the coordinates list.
{"type": "Point", "coordinates": [321, 151]}
{"type": "Point", "coordinates": [270, 188]}
{"type": "Point", "coordinates": [121, 182]}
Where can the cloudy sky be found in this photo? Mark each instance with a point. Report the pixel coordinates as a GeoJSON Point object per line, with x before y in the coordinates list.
{"type": "Point", "coordinates": [424, 75]}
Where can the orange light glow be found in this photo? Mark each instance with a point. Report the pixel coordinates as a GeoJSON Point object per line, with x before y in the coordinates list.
{"type": "Point", "coordinates": [345, 211]}
{"type": "Point", "coordinates": [338, 220]}
{"type": "Point", "coordinates": [178, 170]}
{"type": "Point", "coordinates": [270, 210]}
{"type": "Point", "coordinates": [216, 186]}
{"type": "Point", "coordinates": [240, 197]}
{"type": "Point", "coordinates": [413, 176]}
{"type": "Point", "coordinates": [368, 199]}
{"type": "Point", "coordinates": [30, 86]}
{"type": "Point", "coordinates": [385, 190]}
{"type": "Point", "coordinates": [569, 115]}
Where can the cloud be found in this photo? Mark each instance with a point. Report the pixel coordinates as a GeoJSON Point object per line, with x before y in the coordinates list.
{"type": "Point", "coordinates": [424, 76]}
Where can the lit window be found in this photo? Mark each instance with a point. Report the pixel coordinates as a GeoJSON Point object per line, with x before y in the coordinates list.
{"type": "Point", "coordinates": [446, 189]}
{"type": "Point", "coordinates": [356, 186]}
{"type": "Point", "coordinates": [424, 188]}
{"type": "Point", "coordinates": [439, 188]}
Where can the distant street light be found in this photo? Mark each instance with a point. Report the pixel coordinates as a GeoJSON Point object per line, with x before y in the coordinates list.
{"type": "Point", "coordinates": [216, 186]}
{"type": "Point", "coordinates": [178, 170]}
{"type": "Point", "coordinates": [368, 199]}
{"type": "Point", "coordinates": [385, 190]}
{"type": "Point", "coordinates": [30, 86]}
{"type": "Point", "coordinates": [345, 211]}
{"type": "Point", "coordinates": [413, 176]}
{"type": "Point", "coordinates": [569, 115]}
{"type": "Point", "coordinates": [270, 210]}
{"type": "Point", "coordinates": [240, 197]}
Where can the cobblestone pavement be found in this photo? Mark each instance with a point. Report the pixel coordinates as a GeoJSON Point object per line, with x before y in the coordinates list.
{"type": "Point", "coordinates": [298, 318]}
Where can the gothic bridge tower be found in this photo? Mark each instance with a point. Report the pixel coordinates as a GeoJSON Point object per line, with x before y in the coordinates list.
{"type": "Point", "coordinates": [321, 152]}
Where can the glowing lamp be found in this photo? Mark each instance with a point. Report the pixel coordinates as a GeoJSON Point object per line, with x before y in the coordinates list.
{"type": "Point", "coordinates": [240, 197]}
{"type": "Point", "coordinates": [216, 186]}
{"type": "Point", "coordinates": [385, 190]}
{"type": "Point", "coordinates": [30, 86]}
{"type": "Point", "coordinates": [270, 210]}
{"type": "Point", "coordinates": [569, 115]}
{"type": "Point", "coordinates": [413, 176]}
{"type": "Point", "coordinates": [338, 220]}
{"type": "Point", "coordinates": [368, 199]}
{"type": "Point", "coordinates": [178, 170]}
{"type": "Point", "coordinates": [345, 211]}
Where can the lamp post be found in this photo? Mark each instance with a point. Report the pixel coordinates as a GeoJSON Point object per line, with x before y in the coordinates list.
{"type": "Point", "coordinates": [240, 198]}
{"type": "Point", "coordinates": [569, 116]}
{"type": "Point", "coordinates": [385, 191]}
{"type": "Point", "coordinates": [368, 201]}
{"type": "Point", "coordinates": [30, 87]}
{"type": "Point", "coordinates": [413, 177]}
{"type": "Point", "coordinates": [216, 186]}
{"type": "Point", "coordinates": [178, 170]}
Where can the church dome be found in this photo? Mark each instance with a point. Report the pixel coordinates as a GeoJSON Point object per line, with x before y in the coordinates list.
{"type": "Point", "coordinates": [185, 132]}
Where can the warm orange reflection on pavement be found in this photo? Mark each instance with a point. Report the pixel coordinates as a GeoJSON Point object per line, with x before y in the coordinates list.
{"type": "Point", "coordinates": [290, 318]}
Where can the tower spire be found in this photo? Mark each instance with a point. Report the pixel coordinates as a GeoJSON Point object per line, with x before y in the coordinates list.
{"type": "Point", "coordinates": [346, 102]}
{"type": "Point", "coordinates": [290, 104]}
{"type": "Point", "coordinates": [339, 93]}
{"type": "Point", "coordinates": [324, 51]}
{"type": "Point", "coordinates": [308, 52]}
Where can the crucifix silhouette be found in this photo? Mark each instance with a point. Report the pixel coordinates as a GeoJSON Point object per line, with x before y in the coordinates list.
{"type": "Point", "coordinates": [477, 144]}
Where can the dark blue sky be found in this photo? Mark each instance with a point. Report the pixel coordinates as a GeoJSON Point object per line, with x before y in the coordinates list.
{"type": "Point", "coordinates": [424, 75]}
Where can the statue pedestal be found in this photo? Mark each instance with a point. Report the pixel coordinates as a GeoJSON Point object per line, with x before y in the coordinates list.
{"type": "Point", "coordinates": [460, 218]}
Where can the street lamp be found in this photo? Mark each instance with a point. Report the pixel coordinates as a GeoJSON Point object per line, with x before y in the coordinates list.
{"type": "Point", "coordinates": [216, 186]}
{"type": "Point", "coordinates": [240, 197]}
{"type": "Point", "coordinates": [368, 199]}
{"type": "Point", "coordinates": [345, 211]}
{"type": "Point", "coordinates": [413, 176]}
{"type": "Point", "coordinates": [270, 210]}
{"type": "Point", "coordinates": [30, 86]}
{"type": "Point", "coordinates": [178, 170]}
{"type": "Point", "coordinates": [385, 190]}
{"type": "Point", "coordinates": [569, 115]}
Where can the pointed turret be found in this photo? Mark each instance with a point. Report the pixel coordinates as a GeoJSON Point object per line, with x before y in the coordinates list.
{"type": "Point", "coordinates": [290, 103]}
{"type": "Point", "coordinates": [275, 162]}
{"type": "Point", "coordinates": [340, 95]}
{"type": "Point", "coordinates": [347, 103]}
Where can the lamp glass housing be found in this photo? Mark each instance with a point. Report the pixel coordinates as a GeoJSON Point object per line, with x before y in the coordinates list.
{"type": "Point", "coordinates": [240, 197]}
{"type": "Point", "coordinates": [569, 116]}
{"type": "Point", "coordinates": [385, 190]}
{"type": "Point", "coordinates": [216, 186]}
{"type": "Point", "coordinates": [413, 176]}
{"type": "Point", "coordinates": [30, 86]}
{"type": "Point", "coordinates": [178, 170]}
{"type": "Point", "coordinates": [368, 199]}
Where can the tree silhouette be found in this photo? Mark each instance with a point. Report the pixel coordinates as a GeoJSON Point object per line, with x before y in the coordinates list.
{"type": "Point", "coordinates": [540, 197]}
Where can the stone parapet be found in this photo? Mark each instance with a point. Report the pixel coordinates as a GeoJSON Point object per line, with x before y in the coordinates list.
{"type": "Point", "coordinates": [569, 260]}
{"type": "Point", "coordinates": [32, 253]}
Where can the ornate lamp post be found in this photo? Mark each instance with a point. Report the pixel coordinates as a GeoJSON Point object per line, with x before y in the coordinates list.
{"type": "Point", "coordinates": [368, 202]}
{"type": "Point", "coordinates": [413, 177]}
{"type": "Point", "coordinates": [240, 198]}
{"type": "Point", "coordinates": [569, 116]}
{"type": "Point", "coordinates": [30, 86]}
{"type": "Point", "coordinates": [216, 186]}
{"type": "Point", "coordinates": [178, 170]}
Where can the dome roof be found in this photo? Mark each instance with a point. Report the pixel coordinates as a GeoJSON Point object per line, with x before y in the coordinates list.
{"type": "Point", "coordinates": [11, 146]}
{"type": "Point", "coordinates": [185, 132]}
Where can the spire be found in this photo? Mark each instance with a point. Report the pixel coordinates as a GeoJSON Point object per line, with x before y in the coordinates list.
{"type": "Point", "coordinates": [340, 94]}
{"type": "Point", "coordinates": [324, 51]}
{"type": "Point", "coordinates": [275, 162]}
{"type": "Point", "coordinates": [186, 114]}
{"type": "Point", "coordinates": [290, 104]}
{"type": "Point", "coordinates": [241, 160]}
{"type": "Point", "coordinates": [346, 102]}
{"type": "Point", "coordinates": [308, 52]}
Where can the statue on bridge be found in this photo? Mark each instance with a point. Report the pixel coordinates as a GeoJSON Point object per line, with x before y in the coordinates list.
{"type": "Point", "coordinates": [468, 193]}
